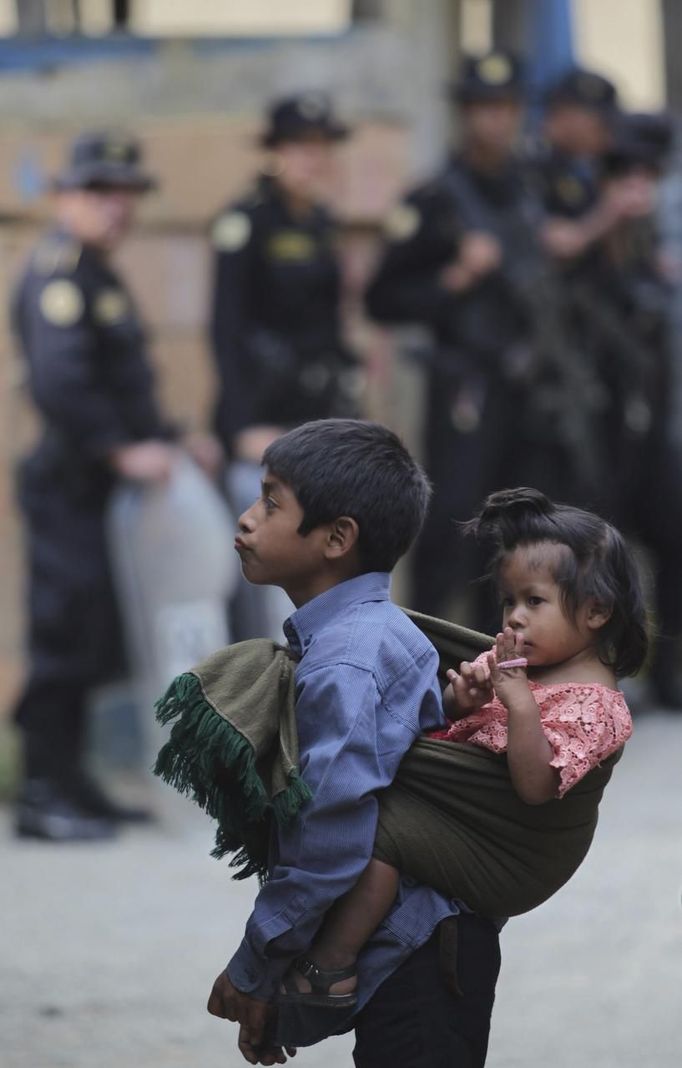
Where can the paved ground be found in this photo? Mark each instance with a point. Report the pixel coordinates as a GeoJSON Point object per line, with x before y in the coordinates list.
{"type": "Point", "coordinates": [108, 952]}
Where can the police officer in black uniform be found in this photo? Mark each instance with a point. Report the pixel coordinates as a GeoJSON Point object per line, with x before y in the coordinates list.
{"type": "Point", "coordinates": [453, 246]}
{"type": "Point", "coordinates": [89, 377]}
{"type": "Point", "coordinates": [581, 117]}
{"type": "Point", "coordinates": [275, 326]}
{"type": "Point", "coordinates": [621, 294]}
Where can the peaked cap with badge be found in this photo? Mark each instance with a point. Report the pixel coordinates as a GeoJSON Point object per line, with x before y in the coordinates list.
{"type": "Point", "coordinates": [303, 116]}
{"type": "Point", "coordinates": [584, 89]}
{"type": "Point", "coordinates": [104, 159]}
{"type": "Point", "coordinates": [498, 75]}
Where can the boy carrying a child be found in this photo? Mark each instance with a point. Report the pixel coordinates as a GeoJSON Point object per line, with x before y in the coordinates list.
{"type": "Point", "coordinates": [341, 503]}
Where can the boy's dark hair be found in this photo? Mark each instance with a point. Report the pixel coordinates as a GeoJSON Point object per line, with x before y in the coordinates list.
{"type": "Point", "coordinates": [599, 565]}
{"type": "Point", "coordinates": [359, 469]}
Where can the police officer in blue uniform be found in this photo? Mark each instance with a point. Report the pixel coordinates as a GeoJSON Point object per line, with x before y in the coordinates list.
{"type": "Point", "coordinates": [89, 376]}
{"type": "Point", "coordinates": [275, 327]}
{"type": "Point", "coordinates": [452, 248]}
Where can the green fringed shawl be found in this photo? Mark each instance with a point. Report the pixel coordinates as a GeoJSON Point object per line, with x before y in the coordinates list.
{"type": "Point", "coordinates": [451, 819]}
{"type": "Point", "coordinates": [234, 746]}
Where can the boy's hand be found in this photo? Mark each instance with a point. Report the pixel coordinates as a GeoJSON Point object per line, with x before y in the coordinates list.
{"type": "Point", "coordinates": [469, 690]}
{"type": "Point", "coordinates": [253, 1016]}
{"type": "Point", "coordinates": [265, 1054]}
{"type": "Point", "coordinates": [232, 1004]}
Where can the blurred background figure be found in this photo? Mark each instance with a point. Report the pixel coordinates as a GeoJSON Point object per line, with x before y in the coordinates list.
{"type": "Point", "coordinates": [90, 379]}
{"type": "Point", "coordinates": [451, 246]}
{"type": "Point", "coordinates": [581, 114]}
{"type": "Point", "coordinates": [600, 172]}
{"type": "Point", "coordinates": [620, 293]}
{"type": "Point", "coordinates": [275, 322]}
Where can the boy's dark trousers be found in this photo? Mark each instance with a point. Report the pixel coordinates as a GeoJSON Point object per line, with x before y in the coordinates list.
{"type": "Point", "coordinates": [434, 1011]}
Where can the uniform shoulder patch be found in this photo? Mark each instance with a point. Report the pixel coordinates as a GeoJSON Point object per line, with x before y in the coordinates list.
{"type": "Point", "coordinates": [110, 306]}
{"type": "Point", "coordinates": [62, 302]}
{"type": "Point", "coordinates": [232, 231]}
{"type": "Point", "coordinates": [402, 223]}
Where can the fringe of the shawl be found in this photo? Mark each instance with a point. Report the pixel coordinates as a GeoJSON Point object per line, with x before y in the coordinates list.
{"type": "Point", "coordinates": [202, 747]}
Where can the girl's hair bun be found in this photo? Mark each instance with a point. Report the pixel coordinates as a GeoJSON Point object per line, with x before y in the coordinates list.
{"type": "Point", "coordinates": [508, 512]}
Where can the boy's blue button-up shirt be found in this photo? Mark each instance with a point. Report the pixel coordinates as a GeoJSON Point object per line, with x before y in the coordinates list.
{"type": "Point", "coordinates": [366, 687]}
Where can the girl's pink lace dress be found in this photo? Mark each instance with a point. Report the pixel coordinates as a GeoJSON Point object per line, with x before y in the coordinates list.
{"type": "Point", "coordinates": [583, 723]}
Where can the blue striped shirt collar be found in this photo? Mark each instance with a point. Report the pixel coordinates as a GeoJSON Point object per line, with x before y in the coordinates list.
{"type": "Point", "coordinates": [318, 613]}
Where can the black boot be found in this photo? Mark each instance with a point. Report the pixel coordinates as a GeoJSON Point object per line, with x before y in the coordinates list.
{"type": "Point", "coordinates": [45, 810]}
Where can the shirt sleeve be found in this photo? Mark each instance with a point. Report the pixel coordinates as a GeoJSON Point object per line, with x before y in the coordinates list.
{"type": "Point", "coordinates": [584, 725]}
{"type": "Point", "coordinates": [324, 851]}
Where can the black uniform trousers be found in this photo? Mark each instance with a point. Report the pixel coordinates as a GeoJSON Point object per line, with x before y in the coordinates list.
{"type": "Point", "coordinates": [434, 1011]}
{"type": "Point", "coordinates": [74, 636]}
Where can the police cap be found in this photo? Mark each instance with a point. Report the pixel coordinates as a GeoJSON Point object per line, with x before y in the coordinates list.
{"type": "Point", "coordinates": [584, 89]}
{"type": "Point", "coordinates": [296, 118]}
{"type": "Point", "coordinates": [107, 159]}
{"type": "Point", "coordinates": [495, 76]}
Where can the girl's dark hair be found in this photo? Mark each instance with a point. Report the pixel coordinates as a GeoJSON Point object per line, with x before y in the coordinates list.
{"type": "Point", "coordinates": [600, 565]}
{"type": "Point", "coordinates": [360, 469]}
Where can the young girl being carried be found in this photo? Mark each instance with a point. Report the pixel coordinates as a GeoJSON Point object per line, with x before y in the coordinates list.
{"type": "Point", "coordinates": [573, 622]}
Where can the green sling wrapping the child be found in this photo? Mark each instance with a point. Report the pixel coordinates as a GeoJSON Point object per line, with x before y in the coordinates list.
{"type": "Point", "coordinates": [452, 818]}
